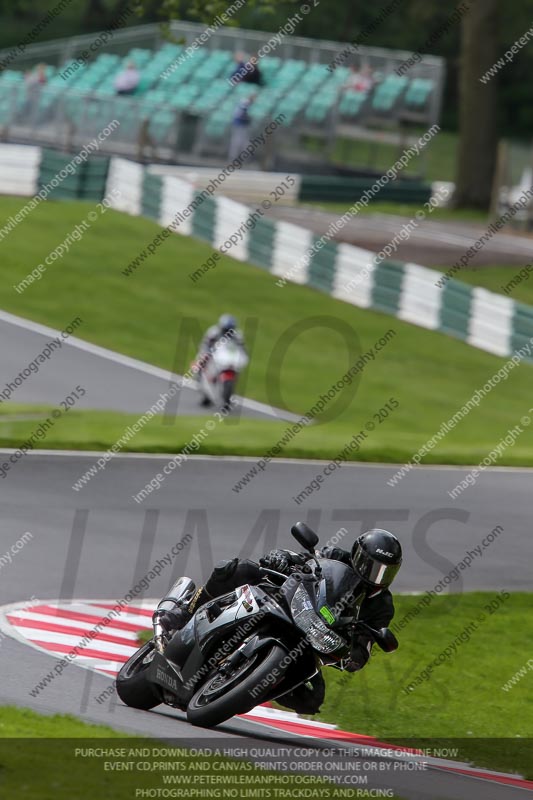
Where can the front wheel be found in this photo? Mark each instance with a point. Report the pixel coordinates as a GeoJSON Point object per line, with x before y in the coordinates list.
{"type": "Point", "coordinates": [224, 695]}
{"type": "Point", "coordinates": [133, 686]}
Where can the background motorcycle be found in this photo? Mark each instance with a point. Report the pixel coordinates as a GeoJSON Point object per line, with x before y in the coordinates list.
{"type": "Point", "coordinates": [253, 644]}
{"type": "Point", "coordinates": [218, 378]}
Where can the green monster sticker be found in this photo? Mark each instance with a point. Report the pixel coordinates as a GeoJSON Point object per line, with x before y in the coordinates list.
{"type": "Point", "coordinates": [328, 616]}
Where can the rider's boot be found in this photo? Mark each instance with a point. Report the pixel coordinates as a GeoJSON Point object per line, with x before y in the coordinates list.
{"type": "Point", "coordinates": [174, 613]}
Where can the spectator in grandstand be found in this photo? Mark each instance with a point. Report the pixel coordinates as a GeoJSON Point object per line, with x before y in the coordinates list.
{"type": "Point", "coordinates": [240, 127]}
{"type": "Point", "coordinates": [127, 81]}
{"type": "Point", "coordinates": [253, 73]}
{"type": "Point", "coordinates": [360, 80]}
{"type": "Point", "coordinates": [246, 71]}
{"type": "Point", "coordinates": [36, 77]}
{"type": "Point", "coordinates": [240, 68]}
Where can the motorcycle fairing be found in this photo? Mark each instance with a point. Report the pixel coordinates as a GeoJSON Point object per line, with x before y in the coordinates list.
{"type": "Point", "coordinates": [340, 591]}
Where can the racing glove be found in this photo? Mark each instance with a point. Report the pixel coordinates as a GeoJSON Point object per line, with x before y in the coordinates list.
{"type": "Point", "coordinates": [281, 560]}
{"type": "Point", "coordinates": [334, 553]}
{"type": "Point", "coordinates": [359, 655]}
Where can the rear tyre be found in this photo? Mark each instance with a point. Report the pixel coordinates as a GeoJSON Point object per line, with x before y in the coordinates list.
{"type": "Point", "coordinates": [133, 686]}
{"type": "Point", "coordinates": [228, 387]}
{"type": "Point", "coordinates": [223, 696]}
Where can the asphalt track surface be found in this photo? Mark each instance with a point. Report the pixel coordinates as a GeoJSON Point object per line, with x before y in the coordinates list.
{"type": "Point", "coordinates": [112, 382]}
{"type": "Point", "coordinates": [432, 243]}
{"type": "Point", "coordinates": [97, 543]}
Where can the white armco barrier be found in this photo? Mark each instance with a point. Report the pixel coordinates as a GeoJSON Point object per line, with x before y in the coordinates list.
{"type": "Point", "coordinates": [420, 301]}
{"type": "Point", "coordinates": [229, 218]}
{"type": "Point", "coordinates": [353, 275]}
{"type": "Point", "coordinates": [124, 186]}
{"type": "Point", "coordinates": [249, 186]}
{"type": "Point", "coordinates": [176, 195]}
{"type": "Point", "coordinates": [491, 322]}
{"type": "Point", "coordinates": [290, 258]}
{"type": "Point", "coordinates": [19, 169]}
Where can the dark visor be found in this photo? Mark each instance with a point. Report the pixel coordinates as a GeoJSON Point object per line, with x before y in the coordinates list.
{"type": "Point", "coordinates": [373, 571]}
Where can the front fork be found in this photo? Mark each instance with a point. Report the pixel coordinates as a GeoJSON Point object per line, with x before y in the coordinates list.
{"type": "Point", "coordinates": [159, 634]}
{"type": "Point", "coordinates": [181, 592]}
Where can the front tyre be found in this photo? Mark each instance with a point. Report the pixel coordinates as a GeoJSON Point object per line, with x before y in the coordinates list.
{"type": "Point", "coordinates": [224, 695]}
{"type": "Point", "coordinates": [133, 686]}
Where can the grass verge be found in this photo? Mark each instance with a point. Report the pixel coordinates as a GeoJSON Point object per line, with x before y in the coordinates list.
{"type": "Point", "coordinates": [297, 338]}
{"type": "Point", "coordinates": [461, 703]}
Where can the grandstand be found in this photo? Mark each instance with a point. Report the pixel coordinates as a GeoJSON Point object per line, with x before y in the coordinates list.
{"type": "Point", "coordinates": [182, 109]}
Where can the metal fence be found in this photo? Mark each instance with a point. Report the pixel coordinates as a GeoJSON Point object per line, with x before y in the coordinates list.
{"type": "Point", "coordinates": [66, 120]}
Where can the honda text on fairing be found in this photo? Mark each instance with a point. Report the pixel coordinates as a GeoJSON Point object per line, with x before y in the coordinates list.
{"type": "Point", "coordinates": [256, 643]}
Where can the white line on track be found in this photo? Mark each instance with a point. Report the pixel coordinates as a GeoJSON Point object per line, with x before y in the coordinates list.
{"type": "Point", "coordinates": [253, 459]}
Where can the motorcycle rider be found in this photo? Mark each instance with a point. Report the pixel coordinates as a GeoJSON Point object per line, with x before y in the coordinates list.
{"type": "Point", "coordinates": [375, 557]}
{"type": "Point", "coordinates": [226, 328]}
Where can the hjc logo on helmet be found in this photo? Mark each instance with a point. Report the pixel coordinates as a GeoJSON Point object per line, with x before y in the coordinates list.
{"type": "Point", "coordinates": [384, 553]}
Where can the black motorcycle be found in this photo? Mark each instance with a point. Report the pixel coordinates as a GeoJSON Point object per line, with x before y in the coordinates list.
{"type": "Point", "coordinates": [254, 644]}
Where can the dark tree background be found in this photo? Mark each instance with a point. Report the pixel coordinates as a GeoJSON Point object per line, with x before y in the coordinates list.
{"type": "Point", "coordinates": [478, 106]}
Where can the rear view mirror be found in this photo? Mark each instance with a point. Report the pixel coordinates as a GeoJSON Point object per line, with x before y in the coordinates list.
{"type": "Point", "coordinates": [305, 536]}
{"type": "Point", "coordinates": [386, 640]}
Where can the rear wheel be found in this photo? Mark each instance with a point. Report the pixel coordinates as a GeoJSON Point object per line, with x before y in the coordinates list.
{"type": "Point", "coordinates": [228, 387]}
{"type": "Point", "coordinates": [225, 694]}
{"type": "Point", "coordinates": [133, 686]}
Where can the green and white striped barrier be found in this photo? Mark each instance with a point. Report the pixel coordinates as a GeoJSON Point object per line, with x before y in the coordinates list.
{"type": "Point", "coordinates": [483, 319]}
{"type": "Point", "coordinates": [409, 292]}
{"type": "Point", "coordinates": [26, 169]}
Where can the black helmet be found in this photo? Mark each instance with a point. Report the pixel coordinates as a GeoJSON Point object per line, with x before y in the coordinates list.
{"type": "Point", "coordinates": [377, 557]}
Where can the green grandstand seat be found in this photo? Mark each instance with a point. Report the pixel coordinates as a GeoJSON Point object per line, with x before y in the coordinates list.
{"type": "Point", "coordinates": [161, 121]}
{"type": "Point", "coordinates": [320, 106]}
{"type": "Point", "coordinates": [5, 112]}
{"type": "Point", "coordinates": [419, 92]}
{"type": "Point", "coordinates": [12, 76]}
{"type": "Point", "coordinates": [351, 103]}
{"type": "Point", "coordinates": [13, 96]}
{"type": "Point", "coordinates": [388, 92]}
{"type": "Point", "coordinates": [183, 96]}
{"type": "Point", "coordinates": [218, 124]}
{"type": "Point", "coordinates": [210, 98]}
{"type": "Point", "coordinates": [200, 86]}
{"type": "Point", "coordinates": [104, 91]}
{"type": "Point", "coordinates": [47, 97]}
{"type": "Point", "coordinates": [339, 75]}
{"type": "Point", "coordinates": [174, 79]}
{"type": "Point", "coordinates": [140, 56]}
